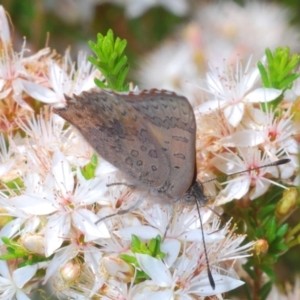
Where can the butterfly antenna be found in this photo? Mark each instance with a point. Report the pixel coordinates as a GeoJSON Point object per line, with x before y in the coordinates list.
{"type": "Point", "coordinates": [272, 164]}
{"type": "Point", "coordinates": [275, 163]}
{"type": "Point", "coordinates": [210, 277]}
{"type": "Point", "coordinates": [121, 183]}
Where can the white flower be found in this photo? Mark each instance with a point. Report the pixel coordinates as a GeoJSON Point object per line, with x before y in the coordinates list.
{"type": "Point", "coordinates": [278, 133]}
{"type": "Point", "coordinates": [273, 133]}
{"type": "Point", "coordinates": [65, 203]}
{"type": "Point", "coordinates": [184, 279]}
{"type": "Point", "coordinates": [254, 181]}
{"type": "Point", "coordinates": [64, 80]}
{"type": "Point", "coordinates": [13, 72]}
{"type": "Point", "coordinates": [4, 27]}
{"type": "Point", "coordinates": [25, 220]}
{"type": "Point", "coordinates": [16, 284]}
{"type": "Point", "coordinates": [233, 89]}
{"type": "Point", "coordinates": [184, 235]}
{"type": "Point", "coordinates": [91, 255]}
{"type": "Point", "coordinates": [44, 135]}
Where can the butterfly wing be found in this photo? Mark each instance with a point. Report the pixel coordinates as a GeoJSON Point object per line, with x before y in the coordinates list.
{"type": "Point", "coordinates": [118, 132]}
{"type": "Point", "coordinates": [171, 121]}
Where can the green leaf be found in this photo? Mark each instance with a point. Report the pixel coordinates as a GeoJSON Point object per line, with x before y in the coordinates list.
{"type": "Point", "coordinates": [269, 271]}
{"type": "Point", "coordinates": [11, 250]}
{"type": "Point", "coordinates": [144, 249]}
{"type": "Point", "coordinates": [265, 290]}
{"type": "Point", "coordinates": [271, 227]}
{"type": "Point", "coordinates": [110, 61]}
{"type": "Point", "coordinates": [107, 49]}
{"type": "Point", "coordinates": [265, 221]}
{"type": "Point", "coordinates": [16, 184]}
{"type": "Point", "coordinates": [142, 275]}
{"type": "Point", "coordinates": [152, 247]}
{"type": "Point", "coordinates": [259, 233]}
{"type": "Point", "coordinates": [161, 255]}
{"type": "Point", "coordinates": [281, 247]}
{"type": "Point", "coordinates": [265, 211]}
{"type": "Point", "coordinates": [121, 64]}
{"type": "Point", "coordinates": [129, 258]}
{"type": "Point", "coordinates": [287, 81]}
{"type": "Point", "coordinates": [100, 83]}
{"type": "Point", "coordinates": [88, 171]}
{"type": "Point", "coordinates": [135, 242]}
{"type": "Point", "coordinates": [279, 72]}
{"type": "Point", "coordinates": [7, 256]}
{"type": "Point", "coordinates": [117, 45]}
{"type": "Point", "coordinates": [122, 46]}
{"type": "Point", "coordinates": [282, 230]}
{"type": "Point", "coordinates": [263, 74]}
{"type": "Point", "coordinates": [121, 79]}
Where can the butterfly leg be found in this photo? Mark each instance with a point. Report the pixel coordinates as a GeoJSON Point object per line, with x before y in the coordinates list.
{"type": "Point", "coordinates": [123, 211]}
{"type": "Point", "coordinates": [170, 222]}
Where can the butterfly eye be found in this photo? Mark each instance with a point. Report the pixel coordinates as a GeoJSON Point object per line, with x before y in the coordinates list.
{"type": "Point", "coordinates": [189, 199]}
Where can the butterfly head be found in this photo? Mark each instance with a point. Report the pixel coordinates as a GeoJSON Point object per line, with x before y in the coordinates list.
{"type": "Point", "coordinates": [195, 194]}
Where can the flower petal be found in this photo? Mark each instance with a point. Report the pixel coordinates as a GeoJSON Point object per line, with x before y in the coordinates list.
{"type": "Point", "coordinates": [85, 220]}
{"type": "Point", "coordinates": [223, 284]}
{"type": "Point", "coordinates": [33, 204]}
{"type": "Point", "coordinates": [62, 173]}
{"type": "Point", "coordinates": [236, 189]}
{"type": "Point", "coordinates": [243, 138]}
{"type": "Point", "coordinates": [209, 106]}
{"type": "Point", "coordinates": [57, 230]}
{"type": "Point", "coordinates": [234, 113]}
{"type": "Point", "coordinates": [171, 247]}
{"type": "Point", "coordinates": [22, 275]}
{"type": "Point", "coordinates": [39, 92]}
{"type": "Point", "coordinates": [156, 269]}
{"type": "Point", "coordinates": [143, 232]}
{"type": "Point", "coordinates": [262, 95]}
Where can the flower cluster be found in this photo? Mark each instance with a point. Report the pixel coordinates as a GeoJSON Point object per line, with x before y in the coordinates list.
{"type": "Point", "coordinates": [54, 189]}
{"type": "Point", "coordinates": [236, 134]}
{"type": "Point", "coordinates": [216, 31]}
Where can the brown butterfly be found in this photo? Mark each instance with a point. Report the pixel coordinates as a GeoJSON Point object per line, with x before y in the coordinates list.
{"type": "Point", "coordinates": [149, 135]}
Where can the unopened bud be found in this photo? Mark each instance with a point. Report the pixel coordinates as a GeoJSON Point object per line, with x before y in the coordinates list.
{"type": "Point", "coordinates": [70, 271]}
{"type": "Point", "coordinates": [34, 244]}
{"type": "Point", "coordinates": [287, 203]}
{"type": "Point", "coordinates": [261, 247]}
{"type": "Point", "coordinates": [118, 268]}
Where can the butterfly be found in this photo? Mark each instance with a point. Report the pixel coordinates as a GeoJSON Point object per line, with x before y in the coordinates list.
{"type": "Point", "coordinates": [149, 135]}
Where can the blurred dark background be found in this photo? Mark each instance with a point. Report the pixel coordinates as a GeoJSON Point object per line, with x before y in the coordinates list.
{"type": "Point", "coordinates": [71, 23]}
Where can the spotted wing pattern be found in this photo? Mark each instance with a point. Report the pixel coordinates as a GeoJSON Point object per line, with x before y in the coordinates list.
{"type": "Point", "coordinates": [148, 135]}
{"type": "Point", "coordinates": [170, 119]}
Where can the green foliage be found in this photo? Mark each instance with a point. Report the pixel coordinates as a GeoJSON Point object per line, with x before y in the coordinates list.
{"type": "Point", "coordinates": [15, 184]}
{"type": "Point", "coordinates": [88, 171]}
{"type": "Point", "coordinates": [110, 61]}
{"type": "Point", "coordinates": [279, 72]}
{"type": "Point", "coordinates": [137, 246]}
{"type": "Point", "coordinates": [16, 251]}
{"type": "Point", "coordinates": [264, 222]}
